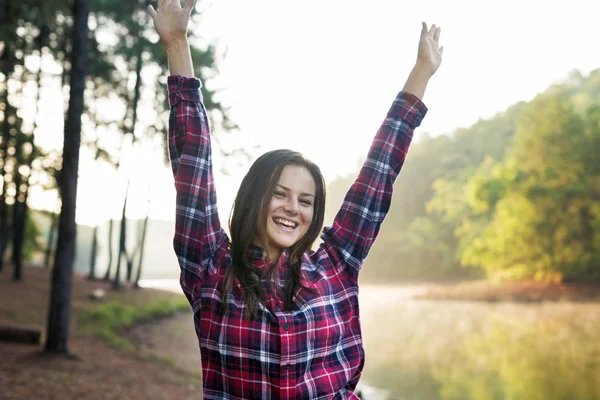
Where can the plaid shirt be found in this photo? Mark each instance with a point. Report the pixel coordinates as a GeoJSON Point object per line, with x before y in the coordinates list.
{"type": "Point", "coordinates": [314, 351]}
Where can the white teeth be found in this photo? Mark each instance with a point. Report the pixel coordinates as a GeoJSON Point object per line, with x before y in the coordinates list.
{"type": "Point", "coordinates": [285, 222]}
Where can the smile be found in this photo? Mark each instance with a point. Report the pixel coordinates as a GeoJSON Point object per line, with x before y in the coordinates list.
{"type": "Point", "coordinates": [285, 223]}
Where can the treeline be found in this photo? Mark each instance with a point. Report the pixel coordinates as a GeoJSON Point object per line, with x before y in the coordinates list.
{"type": "Point", "coordinates": [513, 197]}
{"type": "Point", "coordinates": [124, 112]}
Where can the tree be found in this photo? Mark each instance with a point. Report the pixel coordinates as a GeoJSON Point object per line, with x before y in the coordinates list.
{"type": "Point", "coordinates": [136, 53]}
{"type": "Point", "coordinates": [60, 295]}
{"type": "Point", "coordinates": [26, 154]}
{"type": "Point", "coordinates": [543, 199]}
{"type": "Point", "coordinates": [445, 196]}
{"type": "Point", "coordinates": [8, 61]}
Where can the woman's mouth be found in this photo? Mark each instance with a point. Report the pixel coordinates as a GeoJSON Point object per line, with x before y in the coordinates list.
{"type": "Point", "coordinates": [285, 224]}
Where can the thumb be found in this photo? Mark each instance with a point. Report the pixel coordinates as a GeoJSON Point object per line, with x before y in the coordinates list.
{"type": "Point", "coordinates": [189, 5]}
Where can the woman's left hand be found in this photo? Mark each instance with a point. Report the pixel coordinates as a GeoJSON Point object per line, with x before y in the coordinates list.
{"type": "Point", "coordinates": [430, 53]}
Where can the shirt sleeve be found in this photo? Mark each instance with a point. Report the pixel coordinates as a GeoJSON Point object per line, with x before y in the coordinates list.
{"type": "Point", "coordinates": [366, 204]}
{"type": "Point", "coordinates": [198, 231]}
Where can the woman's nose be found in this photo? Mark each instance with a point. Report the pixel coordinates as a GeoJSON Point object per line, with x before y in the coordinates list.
{"type": "Point", "coordinates": [291, 206]}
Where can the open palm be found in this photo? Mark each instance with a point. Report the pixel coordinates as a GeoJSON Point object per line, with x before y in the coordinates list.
{"type": "Point", "coordinates": [171, 20]}
{"type": "Point", "coordinates": [430, 52]}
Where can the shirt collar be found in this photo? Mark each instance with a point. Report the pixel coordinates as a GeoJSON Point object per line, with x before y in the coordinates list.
{"type": "Point", "coordinates": [256, 253]}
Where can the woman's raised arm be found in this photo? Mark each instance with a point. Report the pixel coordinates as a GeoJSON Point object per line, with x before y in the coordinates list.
{"type": "Point", "coordinates": [171, 24]}
{"type": "Point", "coordinates": [198, 232]}
{"type": "Point", "coordinates": [366, 204]}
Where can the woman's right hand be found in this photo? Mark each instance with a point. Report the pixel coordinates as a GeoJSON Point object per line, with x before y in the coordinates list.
{"type": "Point", "coordinates": [171, 20]}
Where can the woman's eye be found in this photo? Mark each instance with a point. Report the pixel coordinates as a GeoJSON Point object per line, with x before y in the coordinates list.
{"type": "Point", "coordinates": [279, 194]}
{"type": "Point", "coordinates": [307, 202]}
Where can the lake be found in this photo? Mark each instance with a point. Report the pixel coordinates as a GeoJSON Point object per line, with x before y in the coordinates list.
{"type": "Point", "coordinates": [429, 350]}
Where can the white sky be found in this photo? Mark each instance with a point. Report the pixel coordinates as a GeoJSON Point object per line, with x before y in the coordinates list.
{"type": "Point", "coordinates": [319, 76]}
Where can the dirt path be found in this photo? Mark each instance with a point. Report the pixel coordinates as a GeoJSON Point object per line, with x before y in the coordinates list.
{"type": "Point", "coordinates": [173, 338]}
{"type": "Point", "coordinates": [98, 371]}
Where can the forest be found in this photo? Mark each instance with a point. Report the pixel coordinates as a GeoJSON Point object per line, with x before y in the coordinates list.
{"type": "Point", "coordinates": [99, 69]}
{"type": "Point", "coordinates": [513, 197]}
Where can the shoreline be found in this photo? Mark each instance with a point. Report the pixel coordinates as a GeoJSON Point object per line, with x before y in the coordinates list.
{"type": "Point", "coordinates": [526, 291]}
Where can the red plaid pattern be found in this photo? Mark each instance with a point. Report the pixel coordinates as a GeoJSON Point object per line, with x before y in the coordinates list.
{"type": "Point", "coordinates": [315, 350]}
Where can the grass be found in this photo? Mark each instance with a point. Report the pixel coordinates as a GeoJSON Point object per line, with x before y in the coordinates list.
{"type": "Point", "coordinates": [106, 320]}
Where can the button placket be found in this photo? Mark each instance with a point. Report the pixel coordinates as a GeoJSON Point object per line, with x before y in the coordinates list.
{"type": "Point", "coordinates": [286, 356]}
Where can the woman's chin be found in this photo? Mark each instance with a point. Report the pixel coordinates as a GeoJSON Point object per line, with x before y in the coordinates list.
{"type": "Point", "coordinates": [284, 244]}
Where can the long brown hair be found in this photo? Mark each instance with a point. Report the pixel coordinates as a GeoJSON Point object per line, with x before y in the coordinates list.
{"type": "Point", "coordinates": [248, 219]}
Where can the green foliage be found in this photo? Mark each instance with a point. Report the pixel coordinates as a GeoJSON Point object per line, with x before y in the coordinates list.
{"type": "Point", "coordinates": [514, 196]}
{"type": "Point", "coordinates": [106, 320]}
{"type": "Point", "coordinates": [32, 236]}
{"type": "Point", "coordinates": [542, 221]}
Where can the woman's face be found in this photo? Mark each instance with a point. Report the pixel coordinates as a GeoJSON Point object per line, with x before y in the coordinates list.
{"type": "Point", "coordinates": [291, 209]}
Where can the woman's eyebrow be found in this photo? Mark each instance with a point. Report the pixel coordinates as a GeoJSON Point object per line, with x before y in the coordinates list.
{"type": "Point", "coordinates": [288, 189]}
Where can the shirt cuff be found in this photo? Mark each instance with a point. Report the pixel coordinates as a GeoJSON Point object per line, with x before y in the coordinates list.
{"type": "Point", "coordinates": [182, 88]}
{"type": "Point", "coordinates": [408, 107]}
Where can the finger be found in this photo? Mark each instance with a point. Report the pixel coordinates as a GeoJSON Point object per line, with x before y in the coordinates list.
{"type": "Point", "coordinates": [162, 3]}
{"type": "Point", "coordinates": [423, 28]}
{"type": "Point", "coordinates": [189, 5]}
{"type": "Point", "coordinates": [432, 30]}
{"type": "Point", "coordinates": [152, 12]}
{"type": "Point", "coordinates": [436, 35]}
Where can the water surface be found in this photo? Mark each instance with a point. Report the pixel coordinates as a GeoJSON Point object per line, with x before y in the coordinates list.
{"type": "Point", "coordinates": [429, 350]}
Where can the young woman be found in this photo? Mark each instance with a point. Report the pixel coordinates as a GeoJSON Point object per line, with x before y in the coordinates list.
{"type": "Point", "coordinates": [274, 319]}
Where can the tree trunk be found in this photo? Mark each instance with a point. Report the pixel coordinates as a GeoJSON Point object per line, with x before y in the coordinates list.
{"type": "Point", "coordinates": [50, 243]}
{"type": "Point", "coordinates": [21, 207]}
{"type": "Point", "coordinates": [92, 275]}
{"type": "Point", "coordinates": [7, 65]}
{"type": "Point", "coordinates": [64, 49]}
{"type": "Point", "coordinates": [116, 284]}
{"type": "Point", "coordinates": [143, 239]}
{"type": "Point", "coordinates": [20, 229]}
{"type": "Point", "coordinates": [122, 241]}
{"type": "Point", "coordinates": [18, 232]}
{"type": "Point", "coordinates": [60, 292]}
{"type": "Point", "coordinates": [110, 249]}
{"type": "Point", "coordinates": [3, 207]}
{"type": "Point", "coordinates": [141, 258]}
{"type": "Point", "coordinates": [3, 13]}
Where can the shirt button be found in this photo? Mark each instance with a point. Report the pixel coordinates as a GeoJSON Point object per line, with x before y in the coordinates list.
{"type": "Point", "coordinates": [286, 327]}
{"type": "Point", "coordinates": [287, 367]}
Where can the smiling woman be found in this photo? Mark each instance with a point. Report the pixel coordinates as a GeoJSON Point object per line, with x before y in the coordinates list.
{"type": "Point", "coordinates": [275, 319]}
{"type": "Point", "coordinates": [291, 210]}
{"type": "Point", "coordinates": [280, 206]}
